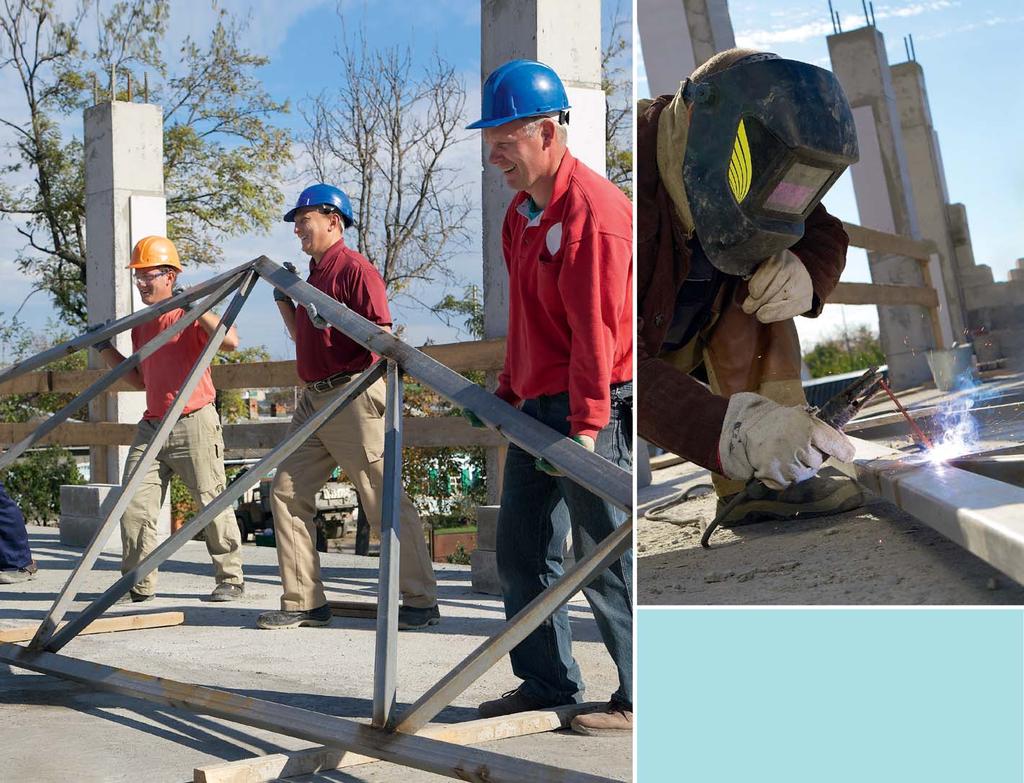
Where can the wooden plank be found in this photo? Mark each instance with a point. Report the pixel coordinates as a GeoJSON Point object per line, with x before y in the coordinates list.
{"type": "Point", "coordinates": [461, 357]}
{"type": "Point", "coordinates": [894, 244]}
{"type": "Point", "coordinates": [423, 431]}
{"type": "Point", "coordinates": [363, 610]}
{"type": "Point", "coordinates": [663, 461]}
{"type": "Point", "coordinates": [275, 766]}
{"type": "Point", "coordinates": [882, 294]}
{"type": "Point", "coordinates": [125, 622]}
{"type": "Point", "coordinates": [442, 758]}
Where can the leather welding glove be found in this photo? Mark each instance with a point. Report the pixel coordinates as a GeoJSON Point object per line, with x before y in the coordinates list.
{"type": "Point", "coordinates": [778, 445]}
{"type": "Point", "coordinates": [780, 289]}
{"type": "Point", "coordinates": [544, 466]}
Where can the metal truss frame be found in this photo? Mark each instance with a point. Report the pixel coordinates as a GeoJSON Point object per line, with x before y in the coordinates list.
{"type": "Point", "coordinates": [391, 736]}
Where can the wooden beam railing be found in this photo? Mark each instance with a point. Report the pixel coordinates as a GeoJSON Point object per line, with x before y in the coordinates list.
{"type": "Point", "coordinates": [420, 431]}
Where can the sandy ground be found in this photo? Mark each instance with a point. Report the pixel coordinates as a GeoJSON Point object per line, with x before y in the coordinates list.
{"type": "Point", "coordinates": [874, 555]}
{"type": "Point", "coordinates": [52, 730]}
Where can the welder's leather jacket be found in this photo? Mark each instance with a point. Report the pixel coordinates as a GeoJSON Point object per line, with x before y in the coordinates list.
{"type": "Point", "coordinates": [675, 411]}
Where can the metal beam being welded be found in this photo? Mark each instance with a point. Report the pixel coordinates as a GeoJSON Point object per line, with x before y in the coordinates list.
{"type": "Point", "coordinates": [984, 516]}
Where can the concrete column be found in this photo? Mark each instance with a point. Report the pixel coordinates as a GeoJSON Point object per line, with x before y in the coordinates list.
{"type": "Point", "coordinates": [124, 201]}
{"type": "Point", "coordinates": [678, 35]}
{"type": "Point", "coordinates": [928, 182]}
{"type": "Point", "coordinates": [885, 200]}
{"type": "Point", "coordinates": [565, 34]}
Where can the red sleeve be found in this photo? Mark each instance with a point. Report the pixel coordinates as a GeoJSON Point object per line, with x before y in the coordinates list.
{"type": "Point", "coordinates": [594, 284]}
{"type": "Point", "coordinates": [363, 291]}
{"type": "Point", "coordinates": [504, 390]}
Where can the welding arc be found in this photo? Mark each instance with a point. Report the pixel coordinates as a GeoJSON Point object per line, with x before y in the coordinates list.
{"type": "Point", "coordinates": [924, 439]}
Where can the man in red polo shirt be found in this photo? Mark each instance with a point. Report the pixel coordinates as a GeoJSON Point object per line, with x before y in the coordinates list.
{"type": "Point", "coordinates": [327, 361]}
{"type": "Point", "coordinates": [195, 448]}
{"type": "Point", "coordinates": [567, 241]}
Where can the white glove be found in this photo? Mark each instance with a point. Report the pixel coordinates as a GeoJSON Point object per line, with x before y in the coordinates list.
{"type": "Point", "coordinates": [780, 289]}
{"type": "Point", "coordinates": [778, 445]}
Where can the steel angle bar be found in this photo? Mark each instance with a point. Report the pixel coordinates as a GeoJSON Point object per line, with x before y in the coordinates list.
{"type": "Point", "coordinates": [515, 630]}
{"type": "Point", "coordinates": [386, 650]}
{"type": "Point", "coordinates": [590, 471]}
{"type": "Point", "coordinates": [984, 516]}
{"type": "Point", "coordinates": [442, 758]}
{"type": "Point", "coordinates": [114, 328]}
{"type": "Point", "coordinates": [117, 373]}
{"type": "Point", "coordinates": [230, 494]}
{"type": "Point", "coordinates": [128, 489]}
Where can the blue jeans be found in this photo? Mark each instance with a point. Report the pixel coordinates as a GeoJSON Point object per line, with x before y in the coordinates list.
{"type": "Point", "coordinates": [14, 551]}
{"type": "Point", "coordinates": [537, 512]}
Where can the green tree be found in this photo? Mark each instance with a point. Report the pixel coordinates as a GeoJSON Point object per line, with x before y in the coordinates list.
{"type": "Point", "coordinates": [845, 351]}
{"type": "Point", "coordinates": [229, 402]}
{"type": "Point", "coordinates": [17, 343]}
{"type": "Point", "coordinates": [222, 157]}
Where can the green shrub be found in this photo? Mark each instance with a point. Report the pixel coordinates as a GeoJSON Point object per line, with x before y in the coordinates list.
{"type": "Point", "coordinates": [460, 556]}
{"type": "Point", "coordinates": [33, 482]}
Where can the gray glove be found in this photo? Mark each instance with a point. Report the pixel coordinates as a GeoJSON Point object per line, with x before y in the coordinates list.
{"type": "Point", "coordinates": [279, 295]}
{"type": "Point", "coordinates": [778, 445]}
{"type": "Point", "coordinates": [102, 345]}
{"type": "Point", "coordinates": [180, 290]}
{"type": "Point", "coordinates": [315, 318]}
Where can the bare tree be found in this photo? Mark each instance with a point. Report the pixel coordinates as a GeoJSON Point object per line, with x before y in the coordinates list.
{"type": "Point", "coordinates": [384, 135]}
{"type": "Point", "coordinates": [617, 82]}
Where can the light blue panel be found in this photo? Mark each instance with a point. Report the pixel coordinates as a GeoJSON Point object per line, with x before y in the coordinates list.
{"type": "Point", "coordinates": [829, 696]}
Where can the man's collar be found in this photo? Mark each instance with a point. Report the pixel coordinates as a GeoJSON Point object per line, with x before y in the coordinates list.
{"type": "Point", "coordinates": [329, 253]}
{"type": "Point", "coordinates": [527, 207]}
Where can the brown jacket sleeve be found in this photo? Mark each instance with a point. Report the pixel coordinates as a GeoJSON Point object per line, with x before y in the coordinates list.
{"type": "Point", "coordinates": [823, 251]}
{"type": "Point", "coordinates": [674, 411]}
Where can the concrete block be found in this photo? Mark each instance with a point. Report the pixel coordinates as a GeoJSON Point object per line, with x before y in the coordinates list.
{"type": "Point", "coordinates": [487, 527]}
{"type": "Point", "coordinates": [78, 532]}
{"type": "Point", "coordinates": [979, 275]}
{"type": "Point", "coordinates": [484, 563]}
{"type": "Point", "coordinates": [86, 500]}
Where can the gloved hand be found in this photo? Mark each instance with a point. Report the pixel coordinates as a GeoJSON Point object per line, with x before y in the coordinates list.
{"type": "Point", "coordinates": [102, 345]}
{"type": "Point", "coordinates": [780, 289]}
{"type": "Point", "coordinates": [180, 290]}
{"type": "Point", "coordinates": [472, 418]}
{"type": "Point", "coordinates": [279, 295]}
{"type": "Point", "coordinates": [543, 465]}
{"type": "Point", "coordinates": [778, 445]}
{"type": "Point", "coordinates": [315, 318]}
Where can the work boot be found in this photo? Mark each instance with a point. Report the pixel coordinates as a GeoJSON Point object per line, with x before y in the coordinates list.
{"type": "Point", "coordinates": [613, 719]}
{"type": "Point", "coordinates": [273, 621]}
{"type": "Point", "coordinates": [226, 591]}
{"type": "Point", "coordinates": [514, 701]}
{"type": "Point", "coordinates": [11, 576]}
{"type": "Point", "coordinates": [131, 597]}
{"type": "Point", "coordinates": [411, 618]}
{"type": "Point", "coordinates": [816, 497]}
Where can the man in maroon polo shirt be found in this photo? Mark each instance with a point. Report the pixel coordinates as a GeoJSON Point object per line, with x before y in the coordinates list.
{"type": "Point", "coordinates": [327, 361]}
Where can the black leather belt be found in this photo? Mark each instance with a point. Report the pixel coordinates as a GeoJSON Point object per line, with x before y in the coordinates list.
{"type": "Point", "coordinates": [338, 379]}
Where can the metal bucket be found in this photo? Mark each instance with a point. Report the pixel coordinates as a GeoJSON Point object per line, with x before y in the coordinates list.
{"type": "Point", "coordinates": [951, 367]}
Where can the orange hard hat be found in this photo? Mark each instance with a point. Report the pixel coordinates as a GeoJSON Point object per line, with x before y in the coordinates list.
{"type": "Point", "coordinates": [154, 251]}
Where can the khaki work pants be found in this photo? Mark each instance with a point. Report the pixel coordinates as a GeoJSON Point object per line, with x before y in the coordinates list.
{"type": "Point", "coordinates": [353, 439]}
{"type": "Point", "coordinates": [195, 452]}
{"type": "Point", "coordinates": [740, 354]}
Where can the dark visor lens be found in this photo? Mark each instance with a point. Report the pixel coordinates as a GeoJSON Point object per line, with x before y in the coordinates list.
{"type": "Point", "coordinates": [797, 189]}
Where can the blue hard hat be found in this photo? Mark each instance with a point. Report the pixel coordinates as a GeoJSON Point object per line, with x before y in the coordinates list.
{"type": "Point", "coordinates": [517, 89]}
{"type": "Point", "coordinates": [321, 195]}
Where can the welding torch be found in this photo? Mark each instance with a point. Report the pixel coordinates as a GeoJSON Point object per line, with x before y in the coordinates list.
{"type": "Point", "coordinates": [836, 413]}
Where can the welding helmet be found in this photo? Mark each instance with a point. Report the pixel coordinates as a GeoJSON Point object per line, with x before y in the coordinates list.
{"type": "Point", "coordinates": [154, 251]}
{"type": "Point", "coordinates": [767, 138]}
{"type": "Point", "coordinates": [520, 89]}
{"type": "Point", "coordinates": [326, 196]}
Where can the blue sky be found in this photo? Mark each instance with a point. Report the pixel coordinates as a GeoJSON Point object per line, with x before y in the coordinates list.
{"type": "Point", "coordinates": [970, 53]}
{"type": "Point", "coordinates": [300, 39]}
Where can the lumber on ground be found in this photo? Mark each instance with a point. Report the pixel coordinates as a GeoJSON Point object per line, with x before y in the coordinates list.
{"type": "Point", "coordinates": [124, 622]}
